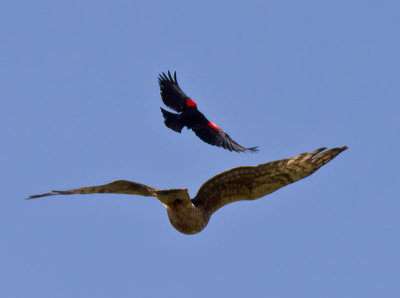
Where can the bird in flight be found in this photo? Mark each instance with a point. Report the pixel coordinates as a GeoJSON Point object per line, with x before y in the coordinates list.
{"type": "Point", "coordinates": [190, 216]}
{"type": "Point", "coordinates": [174, 98]}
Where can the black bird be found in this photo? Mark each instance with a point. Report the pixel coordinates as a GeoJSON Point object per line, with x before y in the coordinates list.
{"type": "Point", "coordinates": [174, 98]}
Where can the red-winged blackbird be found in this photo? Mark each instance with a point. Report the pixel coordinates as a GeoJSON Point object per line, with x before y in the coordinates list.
{"type": "Point", "coordinates": [174, 98]}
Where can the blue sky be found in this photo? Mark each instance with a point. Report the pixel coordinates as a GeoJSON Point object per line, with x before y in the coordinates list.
{"type": "Point", "coordinates": [80, 107]}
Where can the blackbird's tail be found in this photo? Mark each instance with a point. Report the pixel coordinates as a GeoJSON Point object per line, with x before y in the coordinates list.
{"type": "Point", "coordinates": [172, 121]}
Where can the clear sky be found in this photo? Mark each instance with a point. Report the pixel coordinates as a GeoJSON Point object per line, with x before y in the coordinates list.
{"type": "Point", "coordinates": [80, 106]}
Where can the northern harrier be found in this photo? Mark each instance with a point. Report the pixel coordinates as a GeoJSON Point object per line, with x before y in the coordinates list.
{"type": "Point", "coordinates": [190, 216]}
{"type": "Point", "coordinates": [173, 97]}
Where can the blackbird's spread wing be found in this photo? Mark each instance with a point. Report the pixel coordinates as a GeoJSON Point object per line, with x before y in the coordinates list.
{"type": "Point", "coordinates": [250, 183]}
{"type": "Point", "coordinates": [214, 135]}
{"type": "Point", "coordinates": [119, 186]}
{"type": "Point", "coordinates": [172, 96]}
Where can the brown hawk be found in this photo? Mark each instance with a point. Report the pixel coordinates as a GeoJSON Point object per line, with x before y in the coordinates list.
{"type": "Point", "coordinates": [190, 216]}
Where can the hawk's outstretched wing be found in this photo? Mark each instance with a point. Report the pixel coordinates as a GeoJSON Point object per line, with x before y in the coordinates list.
{"type": "Point", "coordinates": [119, 186]}
{"type": "Point", "coordinates": [250, 183]}
{"type": "Point", "coordinates": [166, 197]}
